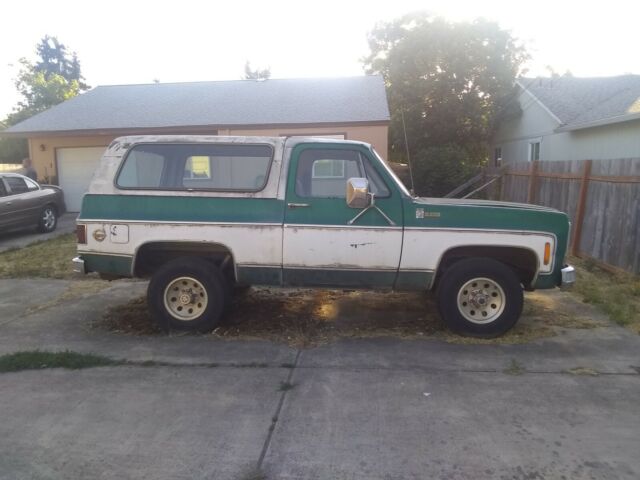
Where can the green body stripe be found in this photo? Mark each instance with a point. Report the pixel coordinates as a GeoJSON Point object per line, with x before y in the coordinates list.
{"type": "Point", "coordinates": [182, 208]}
{"type": "Point", "coordinates": [112, 264]}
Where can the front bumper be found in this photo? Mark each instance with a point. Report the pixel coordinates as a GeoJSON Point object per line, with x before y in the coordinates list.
{"type": "Point", "coordinates": [568, 276]}
{"type": "Point", "coordinates": [78, 265]}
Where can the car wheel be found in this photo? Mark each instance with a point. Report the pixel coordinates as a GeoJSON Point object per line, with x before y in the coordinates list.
{"type": "Point", "coordinates": [187, 294]}
{"type": "Point", "coordinates": [480, 297]}
{"type": "Point", "coordinates": [48, 220]}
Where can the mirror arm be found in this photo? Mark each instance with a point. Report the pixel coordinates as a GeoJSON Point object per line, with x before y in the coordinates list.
{"type": "Point", "coordinates": [375, 207]}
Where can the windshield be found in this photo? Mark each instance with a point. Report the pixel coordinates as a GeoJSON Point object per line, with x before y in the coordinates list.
{"type": "Point", "coordinates": [393, 175]}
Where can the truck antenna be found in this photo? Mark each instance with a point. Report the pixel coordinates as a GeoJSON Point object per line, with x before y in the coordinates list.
{"type": "Point", "coordinates": [406, 146]}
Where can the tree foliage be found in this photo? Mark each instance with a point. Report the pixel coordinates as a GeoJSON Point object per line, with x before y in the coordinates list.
{"type": "Point", "coordinates": [256, 74]}
{"type": "Point", "coordinates": [53, 78]}
{"type": "Point", "coordinates": [451, 81]}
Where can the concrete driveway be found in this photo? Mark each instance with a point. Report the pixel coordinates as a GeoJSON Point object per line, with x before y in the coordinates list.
{"type": "Point", "coordinates": [370, 409]}
{"type": "Point", "coordinates": [22, 238]}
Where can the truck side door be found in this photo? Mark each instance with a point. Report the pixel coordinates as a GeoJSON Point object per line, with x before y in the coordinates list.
{"type": "Point", "coordinates": [320, 245]}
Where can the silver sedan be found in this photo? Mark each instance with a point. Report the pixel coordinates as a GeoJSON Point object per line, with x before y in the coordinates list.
{"type": "Point", "coordinates": [24, 203]}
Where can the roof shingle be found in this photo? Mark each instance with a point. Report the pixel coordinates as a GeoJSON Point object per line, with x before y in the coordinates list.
{"type": "Point", "coordinates": [578, 101]}
{"type": "Point", "coordinates": [218, 103]}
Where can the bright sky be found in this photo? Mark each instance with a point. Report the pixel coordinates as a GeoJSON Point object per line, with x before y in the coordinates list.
{"type": "Point", "coordinates": [138, 41]}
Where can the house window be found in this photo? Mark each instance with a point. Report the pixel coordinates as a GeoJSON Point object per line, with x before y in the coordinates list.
{"type": "Point", "coordinates": [330, 168]}
{"type": "Point", "coordinates": [323, 173]}
{"type": "Point", "coordinates": [497, 156]}
{"type": "Point", "coordinates": [534, 151]}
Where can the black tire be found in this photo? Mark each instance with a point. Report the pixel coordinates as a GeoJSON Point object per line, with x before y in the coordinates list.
{"type": "Point", "coordinates": [48, 219]}
{"type": "Point", "coordinates": [491, 302]}
{"type": "Point", "coordinates": [202, 280]}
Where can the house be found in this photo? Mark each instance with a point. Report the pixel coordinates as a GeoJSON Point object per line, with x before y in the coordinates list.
{"type": "Point", "coordinates": [66, 141]}
{"type": "Point", "coordinates": [568, 118]}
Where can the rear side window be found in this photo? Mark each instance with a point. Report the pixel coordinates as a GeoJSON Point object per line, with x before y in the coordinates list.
{"type": "Point", "coordinates": [196, 167]}
{"type": "Point", "coordinates": [3, 191]}
{"type": "Point", "coordinates": [16, 185]}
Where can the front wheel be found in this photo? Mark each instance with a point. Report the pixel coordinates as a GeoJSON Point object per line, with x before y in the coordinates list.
{"type": "Point", "coordinates": [480, 297]}
{"type": "Point", "coordinates": [187, 294]}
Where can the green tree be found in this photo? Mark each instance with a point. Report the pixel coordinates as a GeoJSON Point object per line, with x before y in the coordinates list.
{"type": "Point", "coordinates": [451, 81]}
{"type": "Point", "coordinates": [256, 74]}
{"type": "Point", "coordinates": [53, 78]}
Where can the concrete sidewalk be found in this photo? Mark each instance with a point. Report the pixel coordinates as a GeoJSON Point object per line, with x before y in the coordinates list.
{"type": "Point", "coordinates": [356, 409]}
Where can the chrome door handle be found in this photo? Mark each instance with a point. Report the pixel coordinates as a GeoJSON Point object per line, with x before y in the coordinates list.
{"type": "Point", "coordinates": [298, 205]}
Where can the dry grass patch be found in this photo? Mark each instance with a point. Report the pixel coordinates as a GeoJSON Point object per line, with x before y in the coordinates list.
{"type": "Point", "coordinates": [306, 318]}
{"type": "Point", "coordinates": [48, 259]}
{"type": "Point", "coordinates": [616, 294]}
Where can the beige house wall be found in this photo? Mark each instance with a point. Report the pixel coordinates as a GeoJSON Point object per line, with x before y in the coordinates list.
{"type": "Point", "coordinates": [43, 149]}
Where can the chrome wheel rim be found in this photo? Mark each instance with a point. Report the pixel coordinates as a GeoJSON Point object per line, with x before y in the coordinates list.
{"type": "Point", "coordinates": [481, 300]}
{"type": "Point", "coordinates": [48, 218]}
{"type": "Point", "coordinates": [185, 298]}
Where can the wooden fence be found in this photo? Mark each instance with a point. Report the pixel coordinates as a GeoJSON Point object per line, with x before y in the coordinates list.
{"type": "Point", "coordinates": [601, 197]}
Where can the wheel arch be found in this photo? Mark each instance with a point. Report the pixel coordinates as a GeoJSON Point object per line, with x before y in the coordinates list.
{"type": "Point", "coordinates": [523, 260]}
{"type": "Point", "coordinates": [149, 256]}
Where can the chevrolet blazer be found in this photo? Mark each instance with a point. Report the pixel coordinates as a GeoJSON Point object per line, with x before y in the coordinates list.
{"type": "Point", "coordinates": [203, 215]}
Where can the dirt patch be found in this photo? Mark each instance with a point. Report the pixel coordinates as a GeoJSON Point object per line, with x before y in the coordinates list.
{"type": "Point", "coordinates": [305, 318]}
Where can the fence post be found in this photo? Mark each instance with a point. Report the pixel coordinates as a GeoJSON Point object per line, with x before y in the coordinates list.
{"type": "Point", "coordinates": [533, 182]}
{"type": "Point", "coordinates": [582, 201]}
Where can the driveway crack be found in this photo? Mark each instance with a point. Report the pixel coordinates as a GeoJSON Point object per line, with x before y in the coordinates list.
{"type": "Point", "coordinates": [274, 419]}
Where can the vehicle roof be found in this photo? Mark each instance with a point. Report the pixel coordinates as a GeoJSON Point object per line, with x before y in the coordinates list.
{"type": "Point", "coordinates": [12, 174]}
{"type": "Point", "coordinates": [121, 144]}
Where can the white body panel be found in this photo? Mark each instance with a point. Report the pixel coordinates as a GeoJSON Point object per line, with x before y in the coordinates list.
{"type": "Point", "coordinates": [250, 244]}
{"type": "Point", "coordinates": [352, 247]}
{"type": "Point", "coordinates": [424, 247]}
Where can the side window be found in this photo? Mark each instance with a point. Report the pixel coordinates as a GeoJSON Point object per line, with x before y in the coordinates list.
{"type": "Point", "coordinates": [323, 173]}
{"type": "Point", "coordinates": [16, 185]}
{"type": "Point", "coordinates": [31, 185]}
{"type": "Point", "coordinates": [534, 151]}
{"type": "Point", "coordinates": [238, 167]}
{"type": "Point", "coordinates": [3, 190]}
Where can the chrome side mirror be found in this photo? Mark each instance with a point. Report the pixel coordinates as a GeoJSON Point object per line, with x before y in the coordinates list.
{"type": "Point", "coordinates": [358, 193]}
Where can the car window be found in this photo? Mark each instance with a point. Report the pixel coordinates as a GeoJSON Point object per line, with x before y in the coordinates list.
{"type": "Point", "coordinates": [239, 167]}
{"type": "Point", "coordinates": [16, 185]}
{"type": "Point", "coordinates": [3, 190]}
{"type": "Point", "coordinates": [323, 173]}
{"type": "Point", "coordinates": [31, 185]}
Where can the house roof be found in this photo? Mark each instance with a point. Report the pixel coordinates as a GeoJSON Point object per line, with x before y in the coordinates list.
{"type": "Point", "coordinates": [587, 102]}
{"type": "Point", "coordinates": [218, 103]}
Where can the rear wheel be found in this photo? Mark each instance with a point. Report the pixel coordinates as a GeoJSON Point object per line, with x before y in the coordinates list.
{"type": "Point", "coordinates": [480, 297]}
{"type": "Point", "coordinates": [187, 294]}
{"type": "Point", "coordinates": [48, 219]}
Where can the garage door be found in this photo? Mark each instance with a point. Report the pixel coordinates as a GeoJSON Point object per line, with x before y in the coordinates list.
{"type": "Point", "coordinates": [75, 169]}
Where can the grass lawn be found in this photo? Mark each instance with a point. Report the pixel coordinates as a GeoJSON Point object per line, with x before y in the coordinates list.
{"type": "Point", "coordinates": [37, 360]}
{"type": "Point", "coordinates": [48, 258]}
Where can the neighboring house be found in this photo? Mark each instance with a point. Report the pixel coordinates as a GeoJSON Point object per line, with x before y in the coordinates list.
{"type": "Point", "coordinates": [66, 141]}
{"type": "Point", "coordinates": [569, 118]}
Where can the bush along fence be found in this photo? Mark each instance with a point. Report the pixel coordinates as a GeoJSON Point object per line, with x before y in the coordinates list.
{"type": "Point", "coordinates": [601, 197]}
